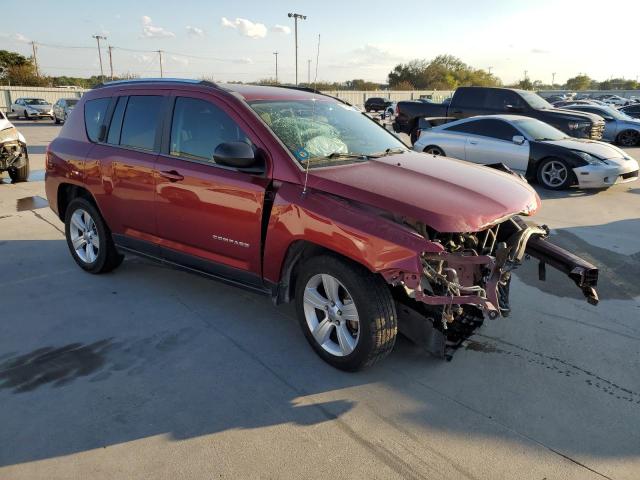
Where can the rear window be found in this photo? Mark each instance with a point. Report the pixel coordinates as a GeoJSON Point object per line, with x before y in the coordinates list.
{"type": "Point", "coordinates": [94, 113]}
{"type": "Point", "coordinates": [141, 120]}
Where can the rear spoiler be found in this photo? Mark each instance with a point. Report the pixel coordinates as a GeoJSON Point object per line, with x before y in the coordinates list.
{"type": "Point", "coordinates": [426, 123]}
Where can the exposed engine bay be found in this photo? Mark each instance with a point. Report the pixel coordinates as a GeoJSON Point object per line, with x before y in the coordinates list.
{"type": "Point", "coordinates": [469, 280]}
{"type": "Point", "coordinates": [13, 150]}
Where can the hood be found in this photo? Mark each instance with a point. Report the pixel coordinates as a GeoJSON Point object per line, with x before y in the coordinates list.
{"type": "Point", "coordinates": [446, 194]}
{"type": "Point", "coordinates": [593, 147]}
{"type": "Point", "coordinates": [41, 108]}
{"type": "Point", "coordinates": [572, 115]}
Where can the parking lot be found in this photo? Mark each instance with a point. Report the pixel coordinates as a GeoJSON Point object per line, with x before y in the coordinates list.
{"type": "Point", "coordinates": [156, 373]}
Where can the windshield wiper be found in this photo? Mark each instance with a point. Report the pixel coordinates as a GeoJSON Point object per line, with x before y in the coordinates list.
{"type": "Point", "coordinates": [338, 156]}
{"type": "Point", "coordinates": [388, 151]}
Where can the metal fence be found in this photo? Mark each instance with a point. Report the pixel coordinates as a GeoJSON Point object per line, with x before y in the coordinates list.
{"type": "Point", "coordinates": [358, 97]}
{"type": "Point", "coordinates": [9, 94]}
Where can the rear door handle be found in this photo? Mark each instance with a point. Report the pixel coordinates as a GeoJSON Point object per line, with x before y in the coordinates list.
{"type": "Point", "coordinates": [172, 175]}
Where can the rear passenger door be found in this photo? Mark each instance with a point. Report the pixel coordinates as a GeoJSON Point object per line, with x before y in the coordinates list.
{"type": "Point", "coordinates": [208, 215]}
{"type": "Point", "coordinates": [121, 168]}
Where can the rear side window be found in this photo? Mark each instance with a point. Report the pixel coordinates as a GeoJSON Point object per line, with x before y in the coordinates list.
{"type": "Point", "coordinates": [94, 112]}
{"type": "Point", "coordinates": [500, 99]}
{"type": "Point", "coordinates": [141, 120]}
{"type": "Point", "coordinates": [487, 128]}
{"type": "Point", "coordinates": [470, 97]}
{"type": "Point", "coordinates": [198, 127]}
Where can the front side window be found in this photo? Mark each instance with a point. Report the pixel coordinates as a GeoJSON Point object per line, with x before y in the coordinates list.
{"type": "Point", "coordinates": [94, 113]}
{"type": "Point", "coordinates": [198, 127]}
{"type": "Point", "coordinates": [497, 129]}
{"type": "Point", "coordinates": [141, 120]}
{"type": "Point", "coordinates": [320, 131]}
{"type": "Point", "coordinates": [502, 99]}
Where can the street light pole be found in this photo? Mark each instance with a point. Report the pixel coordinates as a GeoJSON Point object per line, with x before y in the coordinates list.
{"type": "Point", "coordinates": [98, 38]}
{"type": "Point", "coordinates": [35, 58]}
{"type": "Point", "coordinates": [160, 55]}
{"type": "Point", "coordinates": [295, 17]}
{"type": "Point", "coordinates": [309, 72]}
{"type": "Point", "coordinates": [553, 79]}
{"type": "Point", "coordinates": [276, 55]}
{"type": "Point", "coordinates": [110, 61]}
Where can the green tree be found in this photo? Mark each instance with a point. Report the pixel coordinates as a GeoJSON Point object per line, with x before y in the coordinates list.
{"type": "Point", "coordinates": [580, 82]}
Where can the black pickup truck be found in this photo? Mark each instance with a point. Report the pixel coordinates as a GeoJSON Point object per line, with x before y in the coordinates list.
{"type": "Point", "coordinates": [470, 101]}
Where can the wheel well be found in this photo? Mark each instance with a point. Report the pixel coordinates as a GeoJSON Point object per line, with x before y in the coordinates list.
{"type": "Point", "coordinates": [67, 192]}
{"type": "Point", "coordinates": [432, 146]}
{"type": "Point", "coordinates": [298, 252]}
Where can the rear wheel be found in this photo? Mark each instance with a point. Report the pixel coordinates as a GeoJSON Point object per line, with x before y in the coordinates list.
{"type": "Point", "coordinates": [20, 174]}
{"type": "Point", "coordinates": [628, 138]}
{"type": "Point", "coordinates": [554, 174]}
{"type": "Point", "coordinates": [346, 312]}
{"type": "Point", "coordinates": [56, 119]}
{"type": "Point", "coordinates": [89, 239]}
{"type": "Point", "coordinates": [434, 150]}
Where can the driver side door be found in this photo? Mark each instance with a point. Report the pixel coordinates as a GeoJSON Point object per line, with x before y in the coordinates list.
{"type": "Point", "coordinates": [491, 141]}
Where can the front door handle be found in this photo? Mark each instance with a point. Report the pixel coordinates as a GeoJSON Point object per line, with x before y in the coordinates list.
{"type": "Point", "coordinates": [172, 175]}
{"type": "Point", "coordinates": [473, 142]}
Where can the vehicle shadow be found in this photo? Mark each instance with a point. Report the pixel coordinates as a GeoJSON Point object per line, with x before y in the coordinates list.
{"type": "Point", "coordinates": [92, 361]}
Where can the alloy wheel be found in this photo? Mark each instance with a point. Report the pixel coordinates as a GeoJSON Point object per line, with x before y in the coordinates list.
{"type": "Point", "coordinates": [84, 236]}
{"type": "Point", "coordinates": [554, 174]}
{"type": "Point", "coordinates": [331, 315]}
{"type": "Point", "coordinates": [629, 138]}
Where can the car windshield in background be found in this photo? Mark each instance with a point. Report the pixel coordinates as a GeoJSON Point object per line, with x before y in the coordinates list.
{"type": "Point", "coordinates": [71, 102]}
{"type": "Point", "coordinates": [535, 101]}
{"type": "Point", "coordinates": [35, 101]}
{"type": "Point", "coordinates": [538, 130]}
{"type": "Point", "coordinates": [322, 132]}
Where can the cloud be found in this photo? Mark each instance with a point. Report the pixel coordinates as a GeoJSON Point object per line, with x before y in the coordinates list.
{"type": "Point", "coordinates": [149, 30]}
{"type": "Point", "coordinates": [17, 37]}
{"type": "Point", "coordinates": [181, 60]}
{"type": "Point", "coordinates": [142, 58]}
{"type": "Point", "coordinates": [369, 56]}
{"type": "Point", "coordinates": [194, 31]}
{"type": "Point", "coordinates": [245, 27]}
{"type": "Point", "coordinates": [281, 29]}
{"type": "Point", "coordinates": [540, 51]}
{"type": "Point", "coordinates": [243, 61]}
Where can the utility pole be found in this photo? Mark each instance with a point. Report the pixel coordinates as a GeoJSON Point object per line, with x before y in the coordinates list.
{"type": "Point", "coordinates": [35, 58]}
{"type": "Point", "coordinates": [276, 55]}
{"type": "Point", "coordinates": [110, 61]}
{"type": "Point", "coordinates": [525, 74]}
{"type": "Point", "coordinates": [295, 17]}
{"type": "Point", "coordinates": [98, 38]}
{"type": "Point", "coordinates": [160, 55]}
{"type": "Point", "coordinates": [553, 79]}
{"type": "Point", "coordinates": [490, 68]}
{"type": "Point", "coordinates": [309, 72]}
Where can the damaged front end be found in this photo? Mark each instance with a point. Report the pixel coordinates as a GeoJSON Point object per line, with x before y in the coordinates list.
{"type": "Point", "coordinates": [13, 149]}
{"type": "Point", "coordinates": [469, 280]}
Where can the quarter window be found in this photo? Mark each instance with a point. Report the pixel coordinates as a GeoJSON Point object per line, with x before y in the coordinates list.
{"type": "Point", "coordinates": [94, 112]}
{"type": "Point", "coordinates": [116, 121]}
{"type": "Point", "coordinates": [198, 127]}
{"type": "Point", "coordinates": [141, 120]}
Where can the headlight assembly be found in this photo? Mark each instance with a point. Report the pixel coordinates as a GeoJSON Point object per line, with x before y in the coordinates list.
{"type": "Point", "coordinates": [578, 125]}
{"type": "Point", "coordinates": [590, 159]}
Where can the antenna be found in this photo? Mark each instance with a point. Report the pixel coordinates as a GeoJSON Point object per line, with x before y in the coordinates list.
{"type": "Point", "coordinates": [313, 111]}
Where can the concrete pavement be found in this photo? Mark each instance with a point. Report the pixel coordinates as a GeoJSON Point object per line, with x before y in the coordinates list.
{"type": "Point", "coordinates": [149, 372]}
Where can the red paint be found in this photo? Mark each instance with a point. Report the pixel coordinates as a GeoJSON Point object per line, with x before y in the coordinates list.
{"type": "Point", "coordinates": [216, 214]}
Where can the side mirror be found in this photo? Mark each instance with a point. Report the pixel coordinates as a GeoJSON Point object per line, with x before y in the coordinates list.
{"type": "Point", "coordinates": [518, 139]}
{"type": "Point", "coordinates": [235, 154]}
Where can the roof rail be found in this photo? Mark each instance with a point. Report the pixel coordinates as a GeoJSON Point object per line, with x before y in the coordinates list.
{"type": "Point", "coordinates": [134, 81]}
{"type": "Point", "coordinates": [310, 90]}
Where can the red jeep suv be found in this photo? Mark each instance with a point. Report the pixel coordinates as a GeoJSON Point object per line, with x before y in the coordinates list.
{"type": "Point", "coordinates": [297, 195]}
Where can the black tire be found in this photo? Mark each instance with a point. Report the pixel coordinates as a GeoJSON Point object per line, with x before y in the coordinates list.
{"type": "Point", "coordinates": [562, 183]}
{"type": "Point", "coordinates": [107, 257]}
{"type": "Point", "coordinates": [434, 150]}
{"type": "Point", "coordinates": [56, 119]}
{"type": "Point", "coordinates": [20, 174]}
{"type": "Point", "coordinates": [377, 323]}
{"type": "Point", "coordinates": [25, 114]}
{"type": "Point", "coordinates": [413, 134]}
{"type": "Point", "coordinates": [628, 138]}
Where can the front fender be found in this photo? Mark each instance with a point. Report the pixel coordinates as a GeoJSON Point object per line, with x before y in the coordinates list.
{"type": "Point", "coordinates": [381, 245]}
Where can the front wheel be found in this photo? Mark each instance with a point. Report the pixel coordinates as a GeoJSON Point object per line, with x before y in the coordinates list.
{"type": "Point", "coordinates": [25, 114]}
{"type": "Point", "coordinates": [20, 174]}
{"type": "Point", "coordinates": [434, 150]}
{"type": "Point", "coordinates": [56, 119]}
{"type": "Point", "coordinates": [88, 238]}
{"type": "Point", "coordinates": [628, 138]}
{"type": "Point", "coordinates": [346, 312]}
{"type": "Point", "coordinates": [554, 174]}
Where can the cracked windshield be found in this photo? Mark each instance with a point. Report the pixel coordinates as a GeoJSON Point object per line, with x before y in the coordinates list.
{"type": "Point", "coordinates": [321, 133]}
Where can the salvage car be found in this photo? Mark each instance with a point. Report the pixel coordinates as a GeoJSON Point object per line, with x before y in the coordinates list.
{"type": "Point", "coordinates": [375, 104]}
{"type": "Point", "coordinates": [619, 127]}
{"type": "Point", "coordinates": [532, 148]}
{"type": "Point", "coordinates": [14, 158]}
{"type": "Point", "coordinates": [299, 196]}
{"type": "Point", "coordinates": [472, 101]}
{"type": "Point", "coordinates": [32, 108]}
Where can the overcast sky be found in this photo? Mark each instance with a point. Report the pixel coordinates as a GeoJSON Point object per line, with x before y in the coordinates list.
{"type": "Point", "coordinates": [236, 39]}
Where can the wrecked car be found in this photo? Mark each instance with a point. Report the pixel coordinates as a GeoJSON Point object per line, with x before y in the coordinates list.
{"type": "Point", "coordinates": [297, 195]}
{"type": "Point", "coordinates": [13, 151]}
